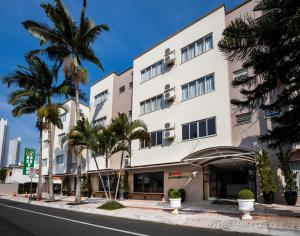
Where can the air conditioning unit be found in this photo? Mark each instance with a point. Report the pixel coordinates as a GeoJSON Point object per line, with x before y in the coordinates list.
{"type": "Point", "coordinates": [170, 59]}
{"type": "Point", "coordinates": [169, 134]}
{"type": "Point", "coordinates": [127, 162]}
{"type": "Point", "coordinates": [169, 125]}
{"type": "Point", "coordinates": [169, 87]}
{"type": "Point", "coordinates": [169, 96]}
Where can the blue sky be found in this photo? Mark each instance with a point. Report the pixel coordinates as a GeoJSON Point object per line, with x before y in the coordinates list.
{"type": "Point", "coordinates": [135, 25]}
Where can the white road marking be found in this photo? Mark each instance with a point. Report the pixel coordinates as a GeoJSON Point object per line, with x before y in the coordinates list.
{"type": "Point", "coordinates": [76, 221]}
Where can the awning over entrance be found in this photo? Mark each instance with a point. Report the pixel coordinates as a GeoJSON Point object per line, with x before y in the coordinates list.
{"type": "Point", "coordinates": [206, 156]}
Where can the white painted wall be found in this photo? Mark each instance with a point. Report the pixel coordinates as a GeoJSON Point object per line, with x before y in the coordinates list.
{"type": "Point", "coordinates": [15, 175]}
{"type": "Point", "coordinates": [208, 105]}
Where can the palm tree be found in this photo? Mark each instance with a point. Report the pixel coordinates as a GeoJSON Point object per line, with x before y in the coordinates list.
{"type": "Point", "coordinates": [37, 85]}
{"type": "Point", "coordinates": [68, 43]}
{"type": "Point", "coordinates": [127, 131]}
{"type": "Point", "coordinates": [83, 137]}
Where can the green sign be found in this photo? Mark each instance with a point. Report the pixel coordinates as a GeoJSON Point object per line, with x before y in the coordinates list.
{"type": "Point", "coordinates": [29, 156]}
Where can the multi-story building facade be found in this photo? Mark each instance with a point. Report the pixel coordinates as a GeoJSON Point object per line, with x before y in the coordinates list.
{"type": "Point", "coordinates": [13, 154]}
{"type": "Point", "coordinates": [3, 140]}
{"type": "Point", "coordinates": [64, 161]}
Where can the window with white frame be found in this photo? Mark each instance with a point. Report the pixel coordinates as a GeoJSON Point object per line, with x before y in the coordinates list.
{"type": "Point", "coordinates": [46, 144]}
{"type": "Point", "coordinates": [152, 104]}
{"type": "Point", "coordinates": [244, 118]}
{"type": "Point", "coordinates": [198, 87]}
{"type": "Point", "coordinates": [152, 71]}
{"type": "Point", "coordinates": [60, 138]}
{"type": "Point", "coordinates": [44, 162]}
{"type": "Point", "coordinates": [240, 74]}
{"type": "Point", "coordinates": [63, 117]}
{"type": "Point", "coordinates": [101, 97]}
{"type": "Point", "coordinates": [295, 166]}
{"type": "Point", "coordinates": [271, 114]}
{"type": "Point", "coordinates": [197, 48]}
{"type": "Point", "coordinates": [155, 139]}
{"type": "Point", "coordinates": [59, 159]}
{"type": "Point", "coordinates": [101, 121]}
{"type": "Point", "coordinates": [199, 129]}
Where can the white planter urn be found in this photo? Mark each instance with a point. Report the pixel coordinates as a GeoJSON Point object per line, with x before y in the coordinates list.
{"type": "Point", "coordinates": [175, 204]}
{"type": "Point", "coordinates": [246, 206]}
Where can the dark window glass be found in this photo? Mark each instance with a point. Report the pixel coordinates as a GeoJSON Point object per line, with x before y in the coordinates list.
{"type": "Point", "coordinates": [142, 143]}
{"type": "Point", "coordinates": [202, 128]}
{"type": "Point", "coordinates": [193, 130]}
{"type": "Point", "coordinates": [153, 138]}
{"type": "Point", "coordinates": [151, 182]}
{"type": "Point", "coordinates": [159, 138]}
{"type": "Point", "coordinates": [211, 126]}
{"type": "Point", "coordinates": [185, 132]}
{"type": "Point", "coordinates": [104, 177]}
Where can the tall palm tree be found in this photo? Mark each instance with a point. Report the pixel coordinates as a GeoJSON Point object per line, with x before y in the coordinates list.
{"type": "Point", "coordinates": [127, 131]}
{"type": "Point", "coordinates": [70, 44]}
{"type": "Point", "coordinates": [83, 137]}
{"type": "Point", "coordinates": [37, 85]}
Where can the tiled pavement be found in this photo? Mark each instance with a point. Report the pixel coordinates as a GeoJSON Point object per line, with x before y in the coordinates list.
{"type": "Point", "coordinates": [268, 219]}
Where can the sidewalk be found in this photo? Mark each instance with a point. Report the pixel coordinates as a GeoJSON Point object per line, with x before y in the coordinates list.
{"type": "Point", "coordinates": [268, 219]}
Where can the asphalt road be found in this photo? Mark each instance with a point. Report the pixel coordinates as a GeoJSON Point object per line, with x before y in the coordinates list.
{"type": "Point", "coordinates": [20, 219]}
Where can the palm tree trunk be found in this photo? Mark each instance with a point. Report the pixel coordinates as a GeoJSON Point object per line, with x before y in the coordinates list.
{"type": "Point", "coordinates": [107, 176]}
{"type": "Point", "coordinates": [119, 176]}
{"type": "Point", "coordinates": [40, 185]}
{"type": "Point", "coordinates": [50, 174]}
{"type": "Point", "coordinates": [78, 181]}
{"type": "Point", "coordinates": [100, 176]}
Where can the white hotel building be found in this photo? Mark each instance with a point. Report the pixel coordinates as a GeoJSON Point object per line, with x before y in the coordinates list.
{"type": "Point", "coordinates": [181, 88]}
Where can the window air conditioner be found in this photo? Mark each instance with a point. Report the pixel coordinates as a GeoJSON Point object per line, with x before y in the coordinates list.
{"type": "Point", "coordinates": [169, 87]}
{"type": "Point", "coordinates": [169, 134]}
{"type": "Point", "coordinates": [169, 125]}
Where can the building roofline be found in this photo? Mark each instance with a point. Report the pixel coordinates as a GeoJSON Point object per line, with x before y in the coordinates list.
{"type": "Point", "coordinates": [180, 30]}
{"type": "Point", "coordinates": [72, 99]}
{"type": "Point", "coordinates": [237, 6]}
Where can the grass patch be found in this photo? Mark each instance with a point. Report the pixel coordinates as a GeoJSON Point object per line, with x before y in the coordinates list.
{"type": "Point", "coordinates": [111, 205]}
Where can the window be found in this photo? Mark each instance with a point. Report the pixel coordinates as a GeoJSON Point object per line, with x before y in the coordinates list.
{"type": "Point", "coordinates": [155, 139]}
{"type": "Point", "coordinates": [151, 71]}
{"type": "Point", "coordinates": [59, 159]}
{"type": "Point", "coordinates": [198, 87]}
{"type": "Point", "coordinates": [122, 89]}
{"type": "Point", "coordinates": [295, 166]}
{"type": "Point", "coordinates": [101, 97]}
{"type": "Point", "coordinates": [152, 104]}
{"type": "Point", "coordinates": [46, 144]}
{"type": "Point", "coordinates": [44, 162]}
{"type": "Point", "coordinates": [199, 129]}
{"type": "Point", "coordinates": [130, 85]}
{"type": "Point", "coordinates": [101, 121]}
{"type": "Point", "coordinates": [63, 117]}
{"type": "Point", "coordinates": [60, 137]}
{"type": "Point", "coordinates": [104, 178]}
{"type": "Point", "coordinates": [197, 48]}
{"type": "Point", "coordinates": [271, 114]}
{"type": "Point", "coordinates": [240, 74]}
{"type": "Point", "coordinates": [243, 118]}
{"type": "Point", "coordinates": [149, 182]}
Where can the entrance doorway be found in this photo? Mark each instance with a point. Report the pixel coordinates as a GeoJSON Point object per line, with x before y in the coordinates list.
{"type": "Point", "coordinates": [224, 179]}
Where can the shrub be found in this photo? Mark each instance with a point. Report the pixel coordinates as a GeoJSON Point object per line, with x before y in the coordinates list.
{"type": "Point", "coordinates": [285, 166]}
{"type": "Point", "coordinates": [266, 174]}
{"type": "Point", "coordinates": [175, 194]}
{"type": "Point", "coordinates": [111, 205]}
{"type": "Point", "coordinates": [169, 191]}
{"type": "Point", "coordinates": [245, 194]}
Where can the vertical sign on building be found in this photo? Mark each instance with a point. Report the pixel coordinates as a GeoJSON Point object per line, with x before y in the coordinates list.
{"type": "Point", "coordinates": [29, 156]}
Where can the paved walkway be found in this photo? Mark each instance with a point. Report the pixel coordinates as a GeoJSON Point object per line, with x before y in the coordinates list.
{"type": "Point", "coordinates": [268, 219]}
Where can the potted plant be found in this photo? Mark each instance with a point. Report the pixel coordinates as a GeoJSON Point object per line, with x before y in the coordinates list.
{"type": "Point", "coordinates": [290, 187]}
{"type": "Point", "coordinates": [267, 177]}
{"type": "Point", "coordinates": [246, 203]}
{"type": "Point", "coordinates": [175, 200]}
{"type": "Point", "coordinates": [182, 194]}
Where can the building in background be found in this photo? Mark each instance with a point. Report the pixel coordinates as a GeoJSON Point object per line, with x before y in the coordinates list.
{"type": "Point", "coordinates": [3, 141]}
{"type": "Point", "coordinates": [13, 154]}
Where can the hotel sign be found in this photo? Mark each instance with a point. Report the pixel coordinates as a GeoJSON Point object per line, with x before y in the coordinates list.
{"type": "Point", "coordinates": [29, 156]}
{"type": "Point", "coordinates": [176, 175]}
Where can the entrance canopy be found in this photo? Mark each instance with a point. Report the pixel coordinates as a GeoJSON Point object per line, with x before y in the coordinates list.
{"type": "Point", "coordinates": [209, 155]}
